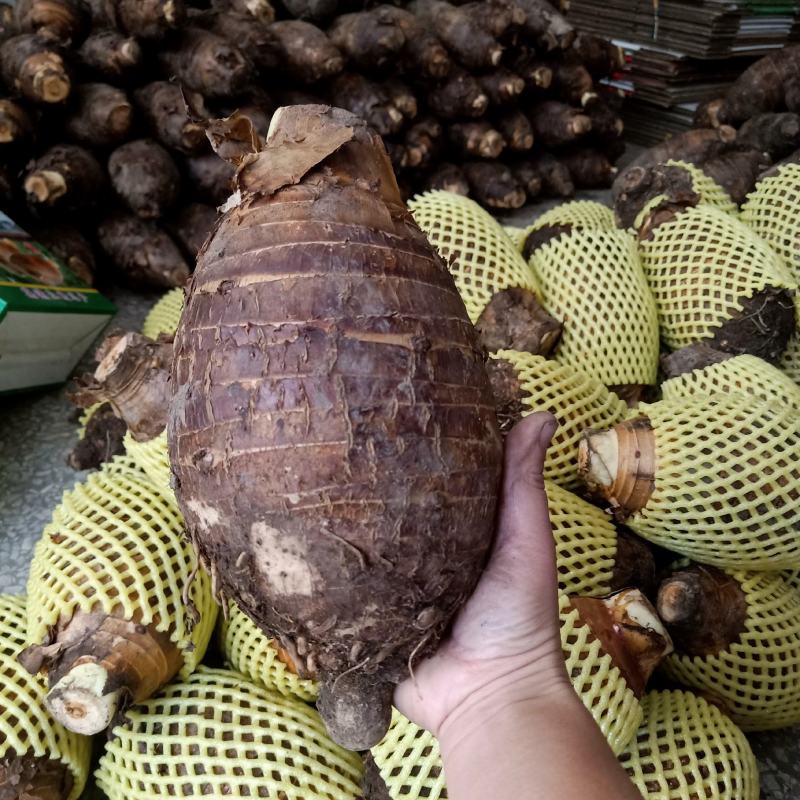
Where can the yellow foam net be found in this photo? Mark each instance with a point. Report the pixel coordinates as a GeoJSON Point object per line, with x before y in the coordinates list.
{"type": "Point", "coordinates": [481, 257]}
{"type": "Point", "coordinates": [217, 734]}
{"type": "Point", "coordinates": [249, 651]}
{"type": "Point", "coordinates": [701, 266]}
{"type": "Point", "coordinates": [579, 401]}
{"type": "Point", "coordinates": [152, 457]}
{"type": "Point", "coordinates": [579, 214]}
{"type": "Point", "coordinates": [792, 577]}
{"type": "Point", "coordinates": [164, 315]}
{"type": "Point", "coordinates": [743, 374]}
{"type": "Point", "coordinates": [772, 210]}
{"type": "Point", "coordinates": [586, 543]}
{"type": "Point", "coordinates": [592, 281]}
{"type": "Point", "coordinates": [711, 193]}
{"type": "Point", "coordinates": [727, 484]}
{"type": "Point", "coordinates": [116, 544]}
{"type": "Point", "coordinates": [517, 235]}
{"type": "Point", "coordinates": [25, 725]}
{"type": "Point", "coordinates": [758, 676]}
{"type": "Point", "coordinates": [688, 749]}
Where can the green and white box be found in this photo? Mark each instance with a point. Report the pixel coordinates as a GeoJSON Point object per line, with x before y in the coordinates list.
{"type": "Point", "coordinates": [48, 316]}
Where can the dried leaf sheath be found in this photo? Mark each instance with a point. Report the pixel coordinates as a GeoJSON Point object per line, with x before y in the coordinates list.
{"type": "Point", "coordinates": [332, 432]}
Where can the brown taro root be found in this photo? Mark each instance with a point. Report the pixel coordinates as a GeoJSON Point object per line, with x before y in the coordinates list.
{"type": "Point", "coordinates": [573, 84]}
{"type": "Point", "coordinates": [58, 20]}
{"type": "Point", "coordinates": [210, 176]}
{"type": "Point", "coordinates": [306, 53]}
{"type": "Point", "coordinates": [495, 16]}
{"type": "Point", "coordinates": [144, 19]}
{"type": "Point", "coordinates": [704, 609]}
{"type": "Point", "coordinates": [111, 54]}
{"type": "Point", "coordinates": [634, 564]}
{"type": "Point", "coordinates": [598, 55]}
{"type": "Point", "coordinates": [101, 115]}
{"type": "Point", "coordinates": [501, 86]}
{"type": "Point", "coordinates": [515, 320]}
{"type": "Point", "coordinates": [145, 177]}
{"type": "Point", "coordinates": [260, 10]}
{"type": "Point", "coordinates": [687, 359]}
{"type": "Point", "coordinates": [369, 39]}
{"type": "Point", "coordinates": [549, 28]}
{"type": "Point", "coordinates": [555, 123]}
{"type": "Point", "coordinates": [537, 75]}
{"type": "Point", "coordinates": [70, 245]}
{"type": "Point", "coordinates": [65, 178]}
{"type": "Point", "coordinates": [460, 95]}
{"type": "Point", "coordinates": [369, 100]}
{"type": "Point", "coordinates": [630, 632]}
{"type": "Point", "coordinates": [449, 178]}
{"type": "Point", "coordinates": [736, 171]}
{"type": "Point", "coordinates": [254, 39]}
{"type": "Point", "coordinates": [493, 185]}
{"type": "Point", "coordinates": [607, 125]}
{"type": "Point", "coordinates": [142, 251]}
{"type": "Point", "coordinates": [31, 777]}
{"type": "Point", "coordinates": [132, 377]}
{"type": "Point", "coordinates": [469, 42]}
{"type": "Point", "coordinates": [348, 307]}
{"type": "Point", "coordinates": [707, 114]}
{"type": "Point", "coordinates": [516, 130]}
{"type": "Point", "coordinates": [207, 63]}
{"type": "Point", "coordinates": [16, 124]}
{"type": "Point", "coordinates": [589, 168]}
{"type": "Point", "coordinates": [423, 54]}
{"type": "Point", "coordinates": [556, 180]}
{"type": "Point", "coordinates": [192, 225]}
{"type": "Point", "coordinates": [423, 141]}
{"type": "Point", "coordinates": [401, 97]}
{"type": "Point", "coordinates": [528, 176]}
{"type": "Point", "coordinates": [476, 139]}
{"type": "Point", "coordinates": [102, 440]}
{"type": "Point", "coordinates": [311, 10]}
{"type": "Point", "coordinates": [34, 68]}
{"type": "Point", "coordinates": [775, 134]}
{"type": "Point", "coordinates": [164, 108]}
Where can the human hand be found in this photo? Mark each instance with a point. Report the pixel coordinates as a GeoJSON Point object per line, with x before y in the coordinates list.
{"type": "Point", "coordinates": [504, 646]}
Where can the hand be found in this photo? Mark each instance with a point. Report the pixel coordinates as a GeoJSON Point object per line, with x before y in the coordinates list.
{"type": "Point", "coordinates": [504, 646]}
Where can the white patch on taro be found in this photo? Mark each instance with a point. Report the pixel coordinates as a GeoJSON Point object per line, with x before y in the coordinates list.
{"type": "Point", "coordinates": [206, 515]}
{"type": "Point", "coordinates": [281, 559]}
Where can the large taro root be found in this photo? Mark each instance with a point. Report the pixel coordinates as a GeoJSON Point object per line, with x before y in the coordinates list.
{"type": "Point", "coordinates": [332, 434]}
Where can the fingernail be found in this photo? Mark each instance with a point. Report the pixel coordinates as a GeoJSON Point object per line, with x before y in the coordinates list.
{"type": "Point", "coordinates": [548, 431]}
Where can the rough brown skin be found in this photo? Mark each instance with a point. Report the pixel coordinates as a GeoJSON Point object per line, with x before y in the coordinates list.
{"type": "Point", "coordinates": [494, 185]}
{"type": "Point", "coordinates": [515, 320]}
{"type": "Point", "coordinates": [207, 63]}
{"type": "Point", "coordinates": [528, 177]}
{"type": "Point", "coordinates": [476, 139]}
{"type": "Point", "coordinates": [58, 20]}
{"type": "Point", "coordinates": [639, 185]}
{"type": "Point", "coordinates": [501, 86]}
{"type": "Point", "coordinates": [145, 177]}
{"type": "Point", "coordinates": [307, 54]}
{"type": "Point", "coordinates": [704, 609]}
{"type": "Point", "coordinates": [133, 378]}
{"type": "Point", "coordinates": [373, 786]}
{"type": "Point", "coordinates": [70, 245]}
{"type": "Point", "coordinates": [573, 83]}
{"type": "Point", "coordinates": [541, 236]}
{"type": "Point", "coordinates": [111, 54]}
{"type": "Point", "coordinates": [607, 125]}
{"type": "Point", "coordinates": [254, 39]}
{"type": "Point", "coordinates": [311, 10]}
{"type": "Point", "coordinates": [555, 123]}
{"type": "Point", "coordinates": [636, 649]}
{"type": "Point", "coordinates": [368, 39]}
{"type": "Point", "coordinates": [709, 114]}
{"type": "Point", "coordinates": [538, 75]}
{"type": "Point", "coordinates": [449, 178]}
{"type": "Point", "coordinates": [369, 100]}
{"type": "Point", "coordinates": [142, 251]}
{"type": "Point", "coordinates": [762, 328]}
{"type": "Point", "coordinates": [314, 398]}
{"type": "Point", "coordinates": [618, 465]}
{"type": "Point", "coordinates": [101, 115]}
{"type": "Point", "coordinates": [30, 777]}
{"type": "Point", "coordinates": [34, 68]}
{"type": "Point", "coordinates": [133, 661]}
{"type": "Point", "coordinates": [687, 359]}
{"type": "Point", "coordinates": [210, 176]}
{"type": "Point", "coordinates": [460, 95]}
{"type": "Point", "coordinates": [631, 393]}
{"type": "Point", "coordinates": [634, 564]}
{"type": "Point", "coordinates": [260, 10]}
{"type": "Point", "coordinates": [17, 126]}
{"type": "Point", "coordinates": [736, 171]}
{"type": "Point", "coordinates": [192, 225]}
{"type": "Point", "coordinates": [165, 110]}
{"type": "Point", "coordinates": [777, 134]}
{"type": "Point", "coordinates": [556, 180]}
{"type": "Point", "coordinates": [495, 16]}
{"type": "Point", "coordinates": [423, 141]}
{"type": "Point", "coordinates": [550, 29]}
{"type": "Point", "coordinates": [144, 19]}
{"type": "Point", "coordinates": [598, 55]}
{"type": "Point", "coordinates": [507, 392]}
{"type": "Point", "coordinates": [516, 130]}
{"type": "Point", "coordinates": [66, 178]}
{"type": "Point", "coordinates": [589, 168]}
{"type": "Point", "coordinates": [470, 43]}
{"type": "Point", "coordinates": [102, 440]}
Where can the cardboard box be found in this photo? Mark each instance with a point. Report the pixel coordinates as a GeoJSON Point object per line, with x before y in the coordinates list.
{"type": "Point", "coordinates": [48, 316]}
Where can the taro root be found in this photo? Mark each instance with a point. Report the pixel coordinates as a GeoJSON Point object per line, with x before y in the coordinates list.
{"type": "Point", "coordinates": [349, 413]}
